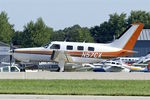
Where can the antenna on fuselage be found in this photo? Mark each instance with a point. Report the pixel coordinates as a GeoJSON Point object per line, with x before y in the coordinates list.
{"type": "Point", "coordinates": [65, 39]}
{"type": "Point", "coordinates": [84, 41]}
{"type": "Point", "coordinates": [114, 37]}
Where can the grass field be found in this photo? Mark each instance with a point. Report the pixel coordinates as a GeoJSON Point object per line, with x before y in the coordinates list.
{"type": "Point", "coordinates": [77, 87]}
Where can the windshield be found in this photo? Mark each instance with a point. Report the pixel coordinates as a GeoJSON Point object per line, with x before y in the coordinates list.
{"type": "Point", "coordinates": [55, 46]}
{"type": "Point", "coordinates": [46, 45]}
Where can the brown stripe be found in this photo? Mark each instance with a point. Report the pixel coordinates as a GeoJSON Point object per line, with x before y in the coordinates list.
{"type": "Point", "coordinates": [80, 53]}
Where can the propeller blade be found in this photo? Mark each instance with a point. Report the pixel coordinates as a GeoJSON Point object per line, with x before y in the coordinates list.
{"type": "Point", "coordinates": [12, 51]}
{"type": "Point", "coordinates": [10, 60]}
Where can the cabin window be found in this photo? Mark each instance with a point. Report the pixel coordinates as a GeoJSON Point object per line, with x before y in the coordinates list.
{"type": "Point", "coordinates": [90, 48]}
{"type": "Point", "coordinates": [80, 47]}
{"type": "Point", "coordinates": [69, 47]}
{"type": "Point", "coordinates": [55, 46]}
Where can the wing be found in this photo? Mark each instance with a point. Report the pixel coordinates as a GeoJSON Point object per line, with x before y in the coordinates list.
{"type": "Point", "coordinates": [61, 55]}
{"type": "Point", "coordinates": [114, 68]}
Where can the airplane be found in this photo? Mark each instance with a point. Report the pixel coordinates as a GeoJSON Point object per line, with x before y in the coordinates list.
{"type": "Point", "coordinates": [78, 52]}
{"type": "Point", "coordinates": [129, 60]}
{"type": "Point", "coordinates": [136, 61]}
{"type": "Point", "coordinates": [144, 59]}
{"type": "Point", "coordinates": [119, 66]}
{"type": "Point", "coordinates": [89, 67]}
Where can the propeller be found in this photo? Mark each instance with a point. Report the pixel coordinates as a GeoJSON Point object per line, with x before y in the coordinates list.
{"type": "Point", "coordinates": [11, 51]}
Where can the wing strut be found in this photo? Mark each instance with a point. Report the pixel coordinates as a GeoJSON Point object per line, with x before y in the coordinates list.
{"type": "Point", "coordinates": [61, 64]}
{"type": "Point", "coordinates": [61, 57]}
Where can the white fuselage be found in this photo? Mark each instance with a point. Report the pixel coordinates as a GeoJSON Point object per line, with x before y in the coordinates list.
{"type": "Point", "coordinates": [117, 66]}
{"type": "Point", "coordinates": [46, 57]}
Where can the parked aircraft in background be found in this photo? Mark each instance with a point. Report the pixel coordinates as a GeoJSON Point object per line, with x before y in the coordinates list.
{"type": "Point", "coordinates": [129, 60]}
{"type": "Point", "coordinates": [49, 66]}
{"type": "Point", "coordinates": [145, 59]}
{"type": "Point", "coordinates": [138, 60]}
{"type": "Point", "coordinates": [77, 52]}
{"type": "Point", "coordinates": [88, 67]}
{"type": "Point", "coordinates": [118, 66]}
{"type": "Point", "coordinates": [126, 64]}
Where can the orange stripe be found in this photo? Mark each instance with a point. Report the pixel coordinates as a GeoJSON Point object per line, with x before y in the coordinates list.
{"type": "Point", "coordinates": [130, 44]}
{"type": "Point", "coordinates": [80, 53]}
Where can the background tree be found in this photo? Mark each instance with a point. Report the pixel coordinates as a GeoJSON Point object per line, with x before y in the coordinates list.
{"type": "Point", "coordinates": [78, 34]}
{"type": "Point", "coordinates": [6, 29]}
{"type": "Point", "coordinates": [58, 36]}
{"type": "Point", "coordinates": [17, 38]}
{"type": "Point", "coordinates": [140, 16]}
{"type": "Point", "coordinates": [117, 23]}
{"type": "Point", "coordinates": [107, 30]}
{"type": "Point", "coordinates": [36, 34]}
{"type": "Point", "coordinates": [73, 34]}
{"type": "Point", "coordinates": [101, 33]}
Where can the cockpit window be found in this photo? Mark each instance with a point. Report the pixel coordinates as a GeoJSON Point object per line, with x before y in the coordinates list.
{"type": "Point", "coordinates": [46, 45]}
{"type": "Point", "coordinates": [55, 46]}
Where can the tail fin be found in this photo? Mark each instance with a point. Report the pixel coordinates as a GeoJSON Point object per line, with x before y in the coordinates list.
{"type": "Point", "coordinates": [128, 38]}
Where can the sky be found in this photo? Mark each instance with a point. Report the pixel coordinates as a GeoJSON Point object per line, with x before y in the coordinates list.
{"type": "Point", "coordinates": [60, 14]}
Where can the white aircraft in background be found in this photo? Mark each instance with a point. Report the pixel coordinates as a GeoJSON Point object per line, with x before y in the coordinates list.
{"type": "Point", "coordinates": [144, 59]}
{"type": "Point", "coordinates": [77, 52]}
{"type": "Point", "coordinates": [129, 60]}
{"type": "Point", "coordinates": [119, 66]}
{"type": "Point", "coordinates": [136, 61]}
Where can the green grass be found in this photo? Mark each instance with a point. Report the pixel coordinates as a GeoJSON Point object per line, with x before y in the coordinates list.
{"type": "Point", "coordinates": [77, 87]}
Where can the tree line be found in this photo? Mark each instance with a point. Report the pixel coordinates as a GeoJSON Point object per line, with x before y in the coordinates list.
{"type": "Point", "coordinates": [38, 33]}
